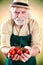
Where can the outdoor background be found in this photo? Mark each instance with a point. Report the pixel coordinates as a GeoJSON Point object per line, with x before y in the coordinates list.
{"type": "Point", "coordinates": [36, 10]}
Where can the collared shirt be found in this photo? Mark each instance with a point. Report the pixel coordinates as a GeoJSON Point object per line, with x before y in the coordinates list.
{"type": "Point", "coordinates": [6, 31]}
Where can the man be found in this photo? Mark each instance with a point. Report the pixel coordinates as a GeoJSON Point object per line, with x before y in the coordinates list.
{"type": "Point", "coordinates": [22, 31]}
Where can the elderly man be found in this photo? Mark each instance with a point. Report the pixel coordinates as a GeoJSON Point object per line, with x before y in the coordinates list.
{"type": "Point", "coordinates": [21, 31]}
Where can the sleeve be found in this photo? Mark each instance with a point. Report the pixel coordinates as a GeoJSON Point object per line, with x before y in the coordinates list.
{"type": "Point", "coordinates": [36, 35]}
{"type": "Point", "coordinates": [5, 38]}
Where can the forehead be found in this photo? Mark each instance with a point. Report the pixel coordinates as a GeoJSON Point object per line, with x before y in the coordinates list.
{"type": "Point", "coordinates": [19, 9]}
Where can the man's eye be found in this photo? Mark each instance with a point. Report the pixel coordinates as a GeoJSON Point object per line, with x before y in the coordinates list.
{"type": "Point", "coordinates": [17, 12]}
{"type": "Point", "coordinates": [23, 12]}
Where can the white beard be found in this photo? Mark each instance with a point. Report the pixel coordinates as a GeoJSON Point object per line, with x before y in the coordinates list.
{"type": "Point", "coordinates": [19, 21]}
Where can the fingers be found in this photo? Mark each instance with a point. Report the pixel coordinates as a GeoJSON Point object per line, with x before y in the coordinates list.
{"type": "Point", "coordinates": [8, 55]}
{"type": "Point", "coordinates": [27, 55]}
{"type": "Point", "coordinates": [23, 58]}
{"type": "Point", "coordinates": [16, 57]}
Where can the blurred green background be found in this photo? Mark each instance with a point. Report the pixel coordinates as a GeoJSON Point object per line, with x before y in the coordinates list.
{"type": "Point", "coordinates": [36, 10]}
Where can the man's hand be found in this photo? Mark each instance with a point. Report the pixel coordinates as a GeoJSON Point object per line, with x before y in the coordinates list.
{"type": "Point", "coordinates": [24, 57]}
{"type": "Point", "coordinates": [33, 50]}
{"type": "Point", "coordinates": [15, 57]}
{"type": "Point", "coordinates": [5, 50]}
{"type": "Point", "coordinates": [22, 54]}
{"type": "Point", "coordinates": [12, 54]}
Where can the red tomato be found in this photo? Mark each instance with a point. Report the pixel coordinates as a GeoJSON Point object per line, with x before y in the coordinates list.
{"type": "Point", "coordinates": [16, 48]}
{"type": "Point", "coordinates": [19, 52]}
{"type": "Point", "coordinates": [24, 50]}
{"type": "Point", "coordinates": [27, 52]}
{"type": "Point", "coordinates": [12, 52]}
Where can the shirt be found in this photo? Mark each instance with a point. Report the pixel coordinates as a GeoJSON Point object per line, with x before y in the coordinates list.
{"type": "Point", "coordinates": [6, 31]}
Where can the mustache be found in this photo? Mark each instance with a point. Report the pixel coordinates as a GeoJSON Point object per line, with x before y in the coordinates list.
{"type": "Point", "coordinates": [19, 19]}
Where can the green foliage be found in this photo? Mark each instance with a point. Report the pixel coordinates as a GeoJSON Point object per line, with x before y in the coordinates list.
{"type": "Point", "coordinates": [2, 58]}
{"type": "Point", "coordinates": [40, 62]}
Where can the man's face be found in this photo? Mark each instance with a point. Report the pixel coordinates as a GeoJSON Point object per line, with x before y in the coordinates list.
{"type": "Point", "coordinates": [19, 14]}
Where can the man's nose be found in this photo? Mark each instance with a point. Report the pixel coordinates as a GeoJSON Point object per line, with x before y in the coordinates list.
{"type": "Point", "coordinates": [20, 15]}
